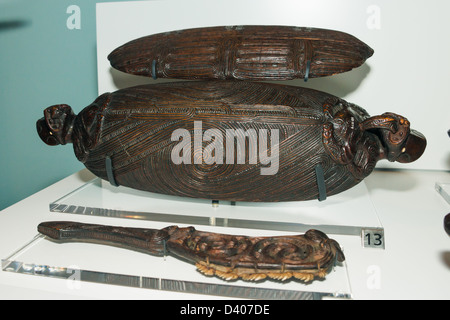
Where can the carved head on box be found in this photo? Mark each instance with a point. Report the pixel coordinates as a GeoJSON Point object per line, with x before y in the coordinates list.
{"type": "Point", "coordinates": [56, 126]}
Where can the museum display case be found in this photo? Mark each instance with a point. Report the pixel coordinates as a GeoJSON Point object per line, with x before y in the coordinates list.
{"type": "Point", "coordinates": [340, 214]}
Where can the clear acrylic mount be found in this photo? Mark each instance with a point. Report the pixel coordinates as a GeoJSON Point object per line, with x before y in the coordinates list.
{"type": "Point", "coordinates": [347, 213]}
{"type": "Point", "coordinates": [444, 190]}
{"type": "Point", "coordinates": [85, 262]}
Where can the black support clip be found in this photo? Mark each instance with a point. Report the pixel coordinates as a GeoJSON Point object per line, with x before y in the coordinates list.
{"type": "Point", "coordinates": [321, 183]}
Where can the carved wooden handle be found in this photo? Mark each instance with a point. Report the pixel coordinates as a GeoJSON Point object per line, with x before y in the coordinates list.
{"type": "Point", "coordinates": [150, 240]}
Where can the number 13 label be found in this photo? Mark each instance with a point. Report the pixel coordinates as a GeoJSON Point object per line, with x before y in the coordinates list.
{"type": "Point", "coordinates": [373, 238]}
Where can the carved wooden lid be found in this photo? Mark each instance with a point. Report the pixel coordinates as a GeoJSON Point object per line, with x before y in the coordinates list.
{"type": "Point", "coordinates": [242, 52]}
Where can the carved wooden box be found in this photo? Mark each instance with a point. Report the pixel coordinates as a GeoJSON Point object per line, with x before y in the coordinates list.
{"type": "Point", "coordinates": [230, 140]}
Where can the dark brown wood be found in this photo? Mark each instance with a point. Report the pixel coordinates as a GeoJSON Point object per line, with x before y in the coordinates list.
{"type": "Point", "coordinates": [302, 129]}
{"type": "Point", "coordinates": [447, 224]}
{"type": "Point", "coordinates": [303, 257]}
{"type": "Point", "coordinates": [242, 52]}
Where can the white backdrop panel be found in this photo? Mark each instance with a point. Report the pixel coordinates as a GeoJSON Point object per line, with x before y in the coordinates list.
{"type": "Point", "coordinates": [408, 74]}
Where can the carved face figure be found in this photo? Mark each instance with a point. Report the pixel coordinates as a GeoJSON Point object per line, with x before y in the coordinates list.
{"type": "Point", "coordinates": [413, 147]}
{"type": "Point", "coordinates": [56, 126]}
{"type": "Point", "coordinates": [400, 142]}
{"type": "Point", "coordinates": [403, 144]}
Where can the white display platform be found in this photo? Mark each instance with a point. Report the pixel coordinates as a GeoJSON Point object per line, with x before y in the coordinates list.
{"type": "Point", "coordinates": [406, 202]}
{"type": "Point", "coordinates": [338, 215]}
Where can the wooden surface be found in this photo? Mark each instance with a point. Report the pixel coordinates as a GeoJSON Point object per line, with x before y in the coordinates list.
{"type": "Point", "coordinates": [242, 52]}
{"type": "Point", "coordinates": [130, 138]}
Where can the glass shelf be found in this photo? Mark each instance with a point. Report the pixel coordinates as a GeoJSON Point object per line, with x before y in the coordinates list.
{"type": "Point", "coordinates": [84, 262]}
{"type": "Point", "coordinates": [347, 213]}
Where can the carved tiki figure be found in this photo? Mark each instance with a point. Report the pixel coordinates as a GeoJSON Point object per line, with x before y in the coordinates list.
{"type": "Point", "coordinates": [241, 52]}
{"type": "Point", "coordinates": [230, 140]}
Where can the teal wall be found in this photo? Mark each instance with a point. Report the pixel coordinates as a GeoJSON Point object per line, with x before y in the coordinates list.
{"type": "Point", "coordinates": [42, 62]}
